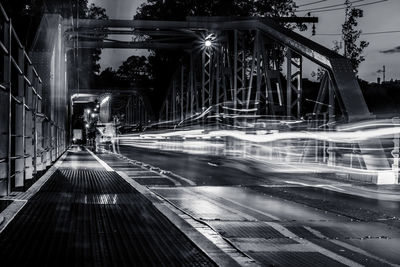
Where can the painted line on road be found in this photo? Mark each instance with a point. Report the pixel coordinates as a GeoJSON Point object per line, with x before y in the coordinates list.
{"type": "Point", "coordinates": [286, 232]}
{"type": "Point", "coordinates": [105, 165]}
{"type": "Point", "coordinates": [198, 235]}
{"type": "Point", "coordinates": [326, 186]}
{"type": "Point", "coordinates": [348, 246]}
{"type": "Point", "coordinates": [255, 210]}
{"type": "Point", "coordinates": [282, 229]}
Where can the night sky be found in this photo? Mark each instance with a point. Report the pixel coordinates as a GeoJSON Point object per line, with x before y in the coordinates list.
{"type": "Point", "coordinates": [383, 16]}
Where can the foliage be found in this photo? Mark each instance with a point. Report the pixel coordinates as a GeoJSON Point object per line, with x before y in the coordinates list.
{"type": "Point", "coordinates": [180, 9]}
{"type": "Point", "coordinates": [136, 69]}
{"type": "Point", "coordinates": [352, 48]}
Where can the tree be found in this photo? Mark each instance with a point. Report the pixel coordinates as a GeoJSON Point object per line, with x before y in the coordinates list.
{"type": "Point", "coordinates": [136, 69]}
{"type": "Point", "coordinates": [180, 9]}
{"type": "Point", "coordinates": [352, 48]}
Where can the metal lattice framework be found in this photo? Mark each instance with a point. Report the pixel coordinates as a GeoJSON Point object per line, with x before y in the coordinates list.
{"type": "Point", "coordinates": [33, 100]}
{"type": "Point", "coordinates": [226, 67]}
{"type": "Point", "coordinates": [240, 76]}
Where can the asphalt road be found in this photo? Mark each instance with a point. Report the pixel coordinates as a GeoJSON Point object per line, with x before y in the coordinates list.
{"type": "Point", "coordinates": [280, 219]}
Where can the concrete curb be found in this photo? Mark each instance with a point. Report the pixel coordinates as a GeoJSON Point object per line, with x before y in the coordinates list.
{"type": "Point", "coordinates": [205, 245]}
{"type": "Point", "coordinates": [12, 210]}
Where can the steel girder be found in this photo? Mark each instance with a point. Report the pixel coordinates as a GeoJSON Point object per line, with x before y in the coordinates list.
{"type": "Point", "coordinates": [138, 110]}
{"type": "Point", "coordinates": [342, 75]}
{"type": "Point", "coordinates": [252, 78]}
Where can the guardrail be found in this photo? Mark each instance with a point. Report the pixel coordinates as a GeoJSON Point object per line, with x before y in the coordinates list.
{"type": "Point", "coordinates": [24, 127]}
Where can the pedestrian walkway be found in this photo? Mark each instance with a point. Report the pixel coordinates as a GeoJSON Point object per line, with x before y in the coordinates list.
{"type": "Point", "coordinates": [85, 215]}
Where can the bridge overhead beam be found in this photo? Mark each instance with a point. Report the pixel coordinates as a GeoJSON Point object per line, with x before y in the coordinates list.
{"type": "Point", "coordinates": [343, 77]}
{"type": "Point", "coordinates": [128, 45]}
{"type": "Point", "coordinates": [191, 22]}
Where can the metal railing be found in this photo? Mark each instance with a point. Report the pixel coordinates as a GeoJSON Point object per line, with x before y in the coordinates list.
{"type": "Point", "coordinates": [27, 135]}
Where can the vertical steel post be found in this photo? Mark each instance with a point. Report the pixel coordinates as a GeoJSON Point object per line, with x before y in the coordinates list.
{"type": "Point", "coordinates": [235, 69]}
{"type": "Point", "coordinates": [203, 80]}
{"type": "Point", "coordinates": [181, 96]}
{"type": "Point", "coordinates": [217, 82]}
{"type": "Point", "coordinates": [29, 126]}
{"type": "Point", "coordinates": [40, 134]}
{"type": "Point", "coordinates": [192, 85]}
{"type": "Point", "coordinates": [396, 150]}
{"type": "Point", "coordinates": [299, 86]}
{"type": "Point", "coordinates": [5, 98]}
{"type": "Point", "coordinates": [331, 118]}
{"type": "Point", "coordinates": [7, 43]}
{"type": "Point", "coordinates": [173, 99]}
{"type": "Point", "coordinates": [19, 123]}
{"type": "Point", "coordinates": [258, 62]}
{"type": "Point", "coordinates": [166, 110]}
{"type": "Point", "coordinates": [289, 83]}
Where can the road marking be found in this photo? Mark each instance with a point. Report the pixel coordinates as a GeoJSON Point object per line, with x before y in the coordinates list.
{"type": "Point", "coordinates": [255, 210]}
{"type": "Point", "coordinates": [219, 204]}
{"type": "Point", "coordinates": [325, 186]}
{"type": "Point", "coordinates": [190, 182]}
{"type": "Point", "coordinates": [105, 165]}
{"type": "Point", "coordinates": [283, 230]}
{"type": "Point", "coordinates": [286, 232]}
{"type": "Point", "coordinates": [159, 171]}
{"type": "Point", "coordinates": [347, 246]}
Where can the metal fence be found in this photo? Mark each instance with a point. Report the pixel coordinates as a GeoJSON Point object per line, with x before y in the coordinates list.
{"type": "Point", "coordinates": [32, 127]}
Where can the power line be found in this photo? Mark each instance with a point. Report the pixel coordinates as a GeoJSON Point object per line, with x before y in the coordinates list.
{"type": "Point", "coordinates": [324, 7]}
{"type": "Point", "coordinates": [363, 33]}
{"type": "Point", "coordinates": [341, 8]}
{"type": "Point", "coordinates": [312, 3]}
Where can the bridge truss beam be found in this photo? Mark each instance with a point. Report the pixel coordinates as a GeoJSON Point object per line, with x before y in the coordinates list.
{"type": "Point", "coordinates": [239, 77]}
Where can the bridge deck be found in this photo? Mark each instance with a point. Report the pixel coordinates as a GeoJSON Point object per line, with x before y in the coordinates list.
{"type": "Point", "coordinates": [87, 216]}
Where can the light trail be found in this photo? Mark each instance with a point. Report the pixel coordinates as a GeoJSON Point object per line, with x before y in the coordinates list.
{"type": "Point", "coordinates": [344, 150]}
{"type": "Point", "coordinates": [339, 137]}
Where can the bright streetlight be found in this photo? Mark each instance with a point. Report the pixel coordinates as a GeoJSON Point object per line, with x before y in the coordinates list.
{"type": "Point", "coordinates": [208, 43]}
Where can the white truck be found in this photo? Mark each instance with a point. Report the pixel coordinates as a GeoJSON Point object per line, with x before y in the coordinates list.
{"type": "Point", "coordinates": [77, 136]}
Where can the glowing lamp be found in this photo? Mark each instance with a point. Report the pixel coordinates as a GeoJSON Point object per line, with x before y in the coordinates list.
{"type": "Point", "coordinates": [207, 43]}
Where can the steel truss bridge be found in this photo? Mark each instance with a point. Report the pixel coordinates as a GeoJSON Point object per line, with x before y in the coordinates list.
{"type": "Point", "coordinates": [239, 71]}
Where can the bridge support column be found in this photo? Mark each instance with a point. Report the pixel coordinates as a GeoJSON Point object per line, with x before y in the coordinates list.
{"type": "Point", "coordinates": [19, 123]}
{"type": "Point", "coordinates": [5, 117]}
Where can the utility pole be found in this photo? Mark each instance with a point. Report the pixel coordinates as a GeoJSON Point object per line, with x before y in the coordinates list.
{"type": "Point", "coordinates": [384, 73]}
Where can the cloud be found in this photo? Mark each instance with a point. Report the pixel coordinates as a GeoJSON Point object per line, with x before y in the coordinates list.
{"type": "Point", "coordinates": [391, 51]}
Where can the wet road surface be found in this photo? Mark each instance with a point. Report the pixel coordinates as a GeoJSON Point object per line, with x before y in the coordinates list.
{"type": "Point", "coordinates": [272, 220]}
